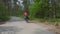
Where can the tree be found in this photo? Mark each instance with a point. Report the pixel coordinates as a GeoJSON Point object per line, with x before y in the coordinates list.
{"type": "Point", "coordinates": [3, 11]}
{"type": "Point", "coordinates": [44, 8]}
{"type": "Point", "coordinates": [39, 9]}
{"type": "Point", "coordinates": [26, 5]}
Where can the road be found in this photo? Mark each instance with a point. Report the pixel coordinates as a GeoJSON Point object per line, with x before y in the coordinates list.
{"type": "Point", "coordinates": [18, 26]}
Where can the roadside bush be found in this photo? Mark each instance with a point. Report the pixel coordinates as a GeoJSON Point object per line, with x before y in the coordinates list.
{"type": "Point", "coordinates": [4, 18]}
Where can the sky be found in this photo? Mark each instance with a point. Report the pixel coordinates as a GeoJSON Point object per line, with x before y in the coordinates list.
{"type": "Point", "coordinates": [21, 4]}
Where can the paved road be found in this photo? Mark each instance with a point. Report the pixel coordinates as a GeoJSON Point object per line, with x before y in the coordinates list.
{"type": "Point", "coordinates": [18, 26]}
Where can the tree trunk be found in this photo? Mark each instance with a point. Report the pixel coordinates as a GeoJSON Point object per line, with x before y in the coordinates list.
{"type": "Point", "coordinates": [54, 8]}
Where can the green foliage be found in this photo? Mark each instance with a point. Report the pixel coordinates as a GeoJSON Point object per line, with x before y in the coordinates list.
{"type": "Point", "coordinates": [3, 12]}
{"type": "Point", "coordinates": [39, 9]}
{"type": "Point", "coordinates": [42, 11]}
{"type": "Point", "coordinates": [17, 12]}
{"type": "Point", "coordinates": [4, 18]}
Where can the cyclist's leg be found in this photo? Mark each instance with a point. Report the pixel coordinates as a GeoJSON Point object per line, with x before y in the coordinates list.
{"type": "Point", "coordinates": [27, 19]}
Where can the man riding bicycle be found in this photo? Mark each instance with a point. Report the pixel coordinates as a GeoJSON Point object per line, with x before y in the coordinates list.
{"type": "Point", "coordinates": [26, 16]}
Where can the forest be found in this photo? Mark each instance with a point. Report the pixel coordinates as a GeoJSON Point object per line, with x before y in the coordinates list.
{"type": "Point", "coordinates": [40, 10]}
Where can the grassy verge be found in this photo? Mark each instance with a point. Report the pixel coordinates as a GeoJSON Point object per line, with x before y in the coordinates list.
{"type": "Point", "coordinates": [3, 19]}
{"type": "Point", "coordinates": [21, 16]}
{"type": "Point", "coordinates": [49, 21]}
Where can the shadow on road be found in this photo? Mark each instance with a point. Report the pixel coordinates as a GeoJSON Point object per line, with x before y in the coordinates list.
{"type": "Point", "coordinates": [2, 23]}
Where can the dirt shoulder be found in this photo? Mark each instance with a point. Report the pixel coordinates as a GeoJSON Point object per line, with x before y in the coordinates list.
{"type": "Point", "coordinates": [49, 26]}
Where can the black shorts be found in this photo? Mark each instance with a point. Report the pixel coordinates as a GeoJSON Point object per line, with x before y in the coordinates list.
{"type": "Point", "coordinates": [27, 17]}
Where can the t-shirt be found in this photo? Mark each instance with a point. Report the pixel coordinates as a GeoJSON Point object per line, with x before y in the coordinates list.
{"type": "Point", "coordinates": [25, 14]}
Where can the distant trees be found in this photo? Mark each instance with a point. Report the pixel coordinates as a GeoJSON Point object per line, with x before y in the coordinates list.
{"type": "Point", "coordinates": [3, 11]}
{"type": "Point", "coordinates": [13, 8]}
{"type": "Point", "coordinates": [45, 9]}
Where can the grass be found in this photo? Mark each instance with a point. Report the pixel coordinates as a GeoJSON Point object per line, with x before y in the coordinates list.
{"type": "Point", "coordinates": [21, 16]}
{"type": "Point", "coordinates": [49, 21]}
{"type": "Point", "coordinates": [2, 19]}
{"type": "Point", "coordinates": [38, 19]}
{"type": "Point", "coordinates": [43, 20]}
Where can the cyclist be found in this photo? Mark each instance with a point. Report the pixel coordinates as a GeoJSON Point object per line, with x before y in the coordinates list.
{"type": "Point", "coordinates": [26, 16]}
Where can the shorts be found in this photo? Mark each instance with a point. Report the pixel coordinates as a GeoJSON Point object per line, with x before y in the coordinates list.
{"type": "Point", "coordinates": [27, 17]}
